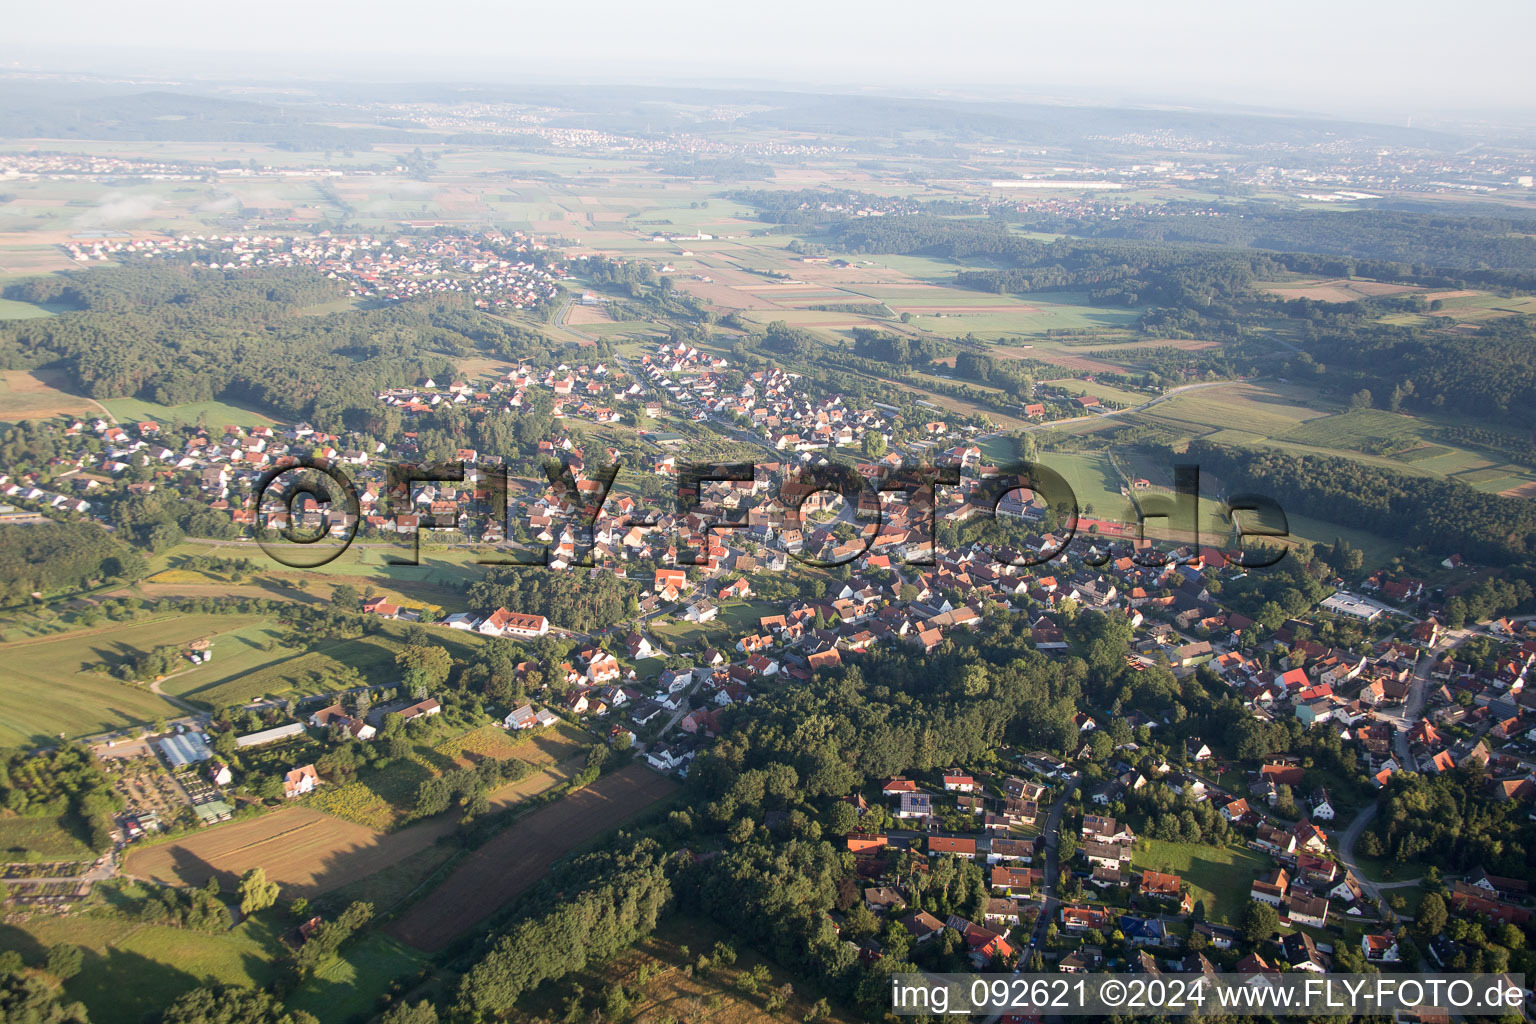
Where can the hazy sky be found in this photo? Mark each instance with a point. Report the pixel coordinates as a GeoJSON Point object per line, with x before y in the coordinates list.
{"type": "Point", "coordinates": [1355, 56]}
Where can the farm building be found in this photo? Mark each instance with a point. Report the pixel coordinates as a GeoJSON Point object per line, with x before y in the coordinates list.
{"type": "Point", "coordinates": [185, 748]}
{"type": "Point", "coordinates": [282, 732]}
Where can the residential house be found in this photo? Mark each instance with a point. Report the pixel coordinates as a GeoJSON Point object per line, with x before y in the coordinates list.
{"type": "Point", "coordinates": [300, 781]}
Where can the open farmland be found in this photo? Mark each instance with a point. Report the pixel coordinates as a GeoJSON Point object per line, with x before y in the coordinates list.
{"type": "Point", "coordinates": [382, 799]}
{"type": "Point", "coordinates": [1265, 409]}
{"type": "Point", "coordinates": [1269, 414]}
{"type": "Point", "coordinates": [255, 660]}
{"type": "Point", "coordinates": [41, 837]}
{"type": "Point", "coordinates": [549, 746]}
{"type": "Point", "coordinates": [1094, 480]}
{"type": "Point", "coordinates": [39, 394]}
{"type": "Point", "coordinates": [215, 414]}
{"type": "Point", "coordinates": [305, 851]}
{"type": "Point", "coordinates": [288, 673]}
{"type": "Point", "coordinates": [308, 851]}
{"type": "Point", "coordinates": [48, 689]}
{"type": "Point", "coordinates": [1337, 289]}
{"type": "Point", "coordinates": [132, 970]}
{"type": "Point", "coordinates": [513, 861]}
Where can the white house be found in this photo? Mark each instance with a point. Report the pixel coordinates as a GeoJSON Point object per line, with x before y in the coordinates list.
{"type": "Point", "coordinates": [300, 781]}
{"type": "Point", "coordinates": [1379, 949]}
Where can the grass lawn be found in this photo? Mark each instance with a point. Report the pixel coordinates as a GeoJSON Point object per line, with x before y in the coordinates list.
{"type": "Point", "coordinates": [15, 309]}
{"type": "Point", "coordinates": [1217, 876]}
{"type": "Point", "coordinates": [132, 970]}
{"type": "Point", "coordinates": [348, 988]}
{"type": "Point", "coordinates": [437, 581]}
{"type": "Point", "coordinates": [735, 619]}
{"type": "Point", "coordinates": [1381, 869]}
{"type": "Point", "coordinates": [216, 414]}
{"type": "Point", "coordinates": [1104, 392]}
{"type": "Point", "coordinates": [40, 837]}
{"type": "Point", "coordinates": [252, 672]}
{"type": "Point", "coordinates": [288, 672]}
{"type": "Point", "coordinates": [1094, 481]}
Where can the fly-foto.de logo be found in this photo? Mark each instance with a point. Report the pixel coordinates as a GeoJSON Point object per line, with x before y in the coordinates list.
{"type": "Point", "coordinates": [309, 511]}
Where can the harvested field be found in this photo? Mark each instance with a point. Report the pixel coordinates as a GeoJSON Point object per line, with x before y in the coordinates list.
{"type": "Point", "coordinates": [587, 314]}
{"type": "Point", "coordinates": [918, 309]}
{"type": "Point", "coordinates": [513, 861]}
{"type": "Point", "coordinates": [309, 852]}
{"type": "Point", "coordinates": [303, 850]}
{"type": "Point", "coordinates": [1082, 364]}
{"type": "Point", "coordinates": [725, 296]}
{"type": "Point", "coordinates": [1337, 290]}
{"type": "Point", "coordinates": [1526, 490]}
{"type": "Point", "coordinates": [39, 394]}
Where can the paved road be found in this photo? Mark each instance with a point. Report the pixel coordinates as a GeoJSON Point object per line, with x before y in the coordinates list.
{"type": "Point", "coordinates": [1408, 714]}
{"type": "Point", "coordinates": [1347, 858]}
{"type": "Point", "coordinates": [1051, 902]}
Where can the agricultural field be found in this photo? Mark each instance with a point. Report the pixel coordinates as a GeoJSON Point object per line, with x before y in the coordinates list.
{"type": "Point", "coordinates": [284, 671]}
{"type": "Point", "coordinates": [1217, 876]}
{"type": "Point", "coordinates": [49, 691]}
{"type": "Point", "coordinates": [514, 859]}
{"type": "Point", "coordinates": [1369, 431]}
{"type": "Point", "coordinates": [669, 993]}
{"type": "Point", "coordinates": [434, 583]}
{"type": "Point", "coordinates": [40, 837]}
{"type": "Point", "coordinates": [15, 309]}
{"type": "Point", "coordinates": [310, 851]}
{"type": "Point", "coordinates": [348, 988]}
{"type": "Point", "coordinates": [40, 394]}
{"type": "Point", "coordinates": [132, 970]}
{"type": "Point", "coordinates": [1337, 289]}
{"type": "Point", "coordinates": [214, 414]}
{"type": "Point", "coordinates": [431, 587]}
{"type": "Point", "coordinates": [549, 746]}
{"type": "Point", "coordinates": [306, 851]}
{"type": "Point", "coordinates": [382, 799]}
{"type": "Point", "coordinates": [1095, 482]}
{"type": "Point", "coordinates": [1262, 409]}
{"type": "Point", "coordinates": [1104, 392]}
{"type": "Point", "coordinates": [1268, 414]}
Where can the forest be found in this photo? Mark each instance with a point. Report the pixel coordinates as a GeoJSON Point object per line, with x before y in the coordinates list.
{"type": "Point", "coordinates": [1487, 375]}
{"type": "Point", "coordinates": [52, 557]}
{"type": "Point", "coordinates": [173, 334]}
{"type": "Point", "coordinates": [1449, 820]}
{"type": "Point", "coordinates": [1444, 517]}
{"type": "Point", "coordinates": [65, 781]}
{"type": "Point", "coordinates": [1112, 272]}
{"type": "Point", "coordinates": [1478, 249]}
{"type": "Point", "coordinates": [576, 601]}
